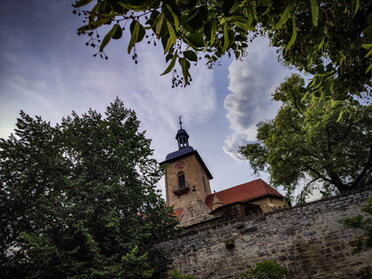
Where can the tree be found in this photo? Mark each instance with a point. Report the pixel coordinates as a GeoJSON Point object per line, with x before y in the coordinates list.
{"type": "Point", "coordinates": [331, 40]}
{"type": "Point", "coordinates": [321, 138]}
{"type": "Point", "coordinates": [78, 200]}
{"type": "Point", "coordinates": [266, 270]}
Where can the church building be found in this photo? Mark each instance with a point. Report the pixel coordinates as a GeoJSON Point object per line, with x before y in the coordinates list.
{"type": "Point", "coordinates": [188, 189]}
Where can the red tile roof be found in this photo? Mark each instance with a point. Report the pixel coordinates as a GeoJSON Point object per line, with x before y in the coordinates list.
{"type": "Point", "coordinates": [245, 192]}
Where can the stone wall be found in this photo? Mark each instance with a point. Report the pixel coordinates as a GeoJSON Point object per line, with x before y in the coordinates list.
{"type": "Point", "coordinates": [308, 240]}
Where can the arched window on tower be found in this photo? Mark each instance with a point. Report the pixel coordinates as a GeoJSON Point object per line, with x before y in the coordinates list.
{"type": "Point", "coordinates": [182, 142]}
{"type": "Point", "coordinates": [181, 180]}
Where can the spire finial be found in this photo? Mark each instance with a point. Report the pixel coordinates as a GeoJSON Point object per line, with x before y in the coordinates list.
{"type": "Point", "coordinates": [182, 136]}
{"type": "Point", "coordinates": [180, 121]}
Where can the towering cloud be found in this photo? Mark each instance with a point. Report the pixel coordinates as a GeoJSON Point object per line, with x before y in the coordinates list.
{"type": "Point", "coordinates": [251, 82]}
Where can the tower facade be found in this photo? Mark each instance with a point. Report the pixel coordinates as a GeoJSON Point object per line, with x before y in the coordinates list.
{"type": "Point", "coordinates": [186, 177]}
{"type": "Point", "coordinates": [189, 192]}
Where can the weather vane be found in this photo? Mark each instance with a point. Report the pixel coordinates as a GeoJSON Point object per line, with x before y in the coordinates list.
{"type": "Point", "coordinates": [179, 118]}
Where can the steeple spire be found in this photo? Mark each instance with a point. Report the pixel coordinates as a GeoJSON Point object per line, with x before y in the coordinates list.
{"type": "Point", "coordinates": [182, 137]}
{"type": "Point", "coordinates": [180, 121]}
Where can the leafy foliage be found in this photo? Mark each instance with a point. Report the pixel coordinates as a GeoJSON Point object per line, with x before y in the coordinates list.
{"type": "Point", "coordinates": [323, 139]}
{"type": "Point", "coordinates": [78, 200]}
{"type": "Point", "coordinates": [331, 40]}
{"type": "Point", "coordinates": [266, 270]}
{"type": "Point", "coordinates": [365, 224]}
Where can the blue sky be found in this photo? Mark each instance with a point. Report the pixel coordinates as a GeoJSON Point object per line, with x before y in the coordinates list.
{"type": "Point", "coordinates": [46, 70]}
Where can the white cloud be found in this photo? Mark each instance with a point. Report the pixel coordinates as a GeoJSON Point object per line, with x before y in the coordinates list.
{"type": "Point", "coordinates": [55, 86]}
{"type": "Point", "coordinates": [197, 101]}
{"type": "Point", "coordinates": [159, 106]}
{"type": "Point", "coordinates": [252, 82]}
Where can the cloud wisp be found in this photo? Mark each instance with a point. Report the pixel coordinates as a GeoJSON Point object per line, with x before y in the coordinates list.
{"type": "Point", "coordinates": [251, 82]}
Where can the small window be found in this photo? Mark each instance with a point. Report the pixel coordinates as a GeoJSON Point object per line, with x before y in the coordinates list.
{"type": "Point", "coordinates": [181, 180]}
{"type": "Point", "coordinates": [182, 142]}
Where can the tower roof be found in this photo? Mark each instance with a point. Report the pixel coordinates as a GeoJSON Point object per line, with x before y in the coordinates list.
{"type": "Point", "coordinates": [185, 150]}
{"type": "Point", "coordinates": [182, 132]}
{"type": "Point", "coordinates": [179, 153]}
{"type": "Point", "coordinates": [182, 137]}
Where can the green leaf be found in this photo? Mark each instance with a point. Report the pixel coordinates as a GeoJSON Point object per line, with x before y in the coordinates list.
{"type": "Point", "coordinates": [369, 68]}
{"type": "Point", "coordinates": [294, 34]}
{"type": "Point", "coordinates": [213, 29]}
{"type": "Point", "coordinates": [207, 30]}
{"type": "Point", "coordinates": [115, 31]}
{"type": "Point", "coordinates": [234, 7]}
{"type": "Point", "coordinates": [153, 18]}
{"type": "Point", "coordinates": [228, 7]}
{"type": "Point", "coordinates": [210, 30]}
{"type": "Point", "coordinates": [118, 32]}
{"type": "Point", "coordinates": [340, 116]}
{"type": "Point", "coordinates": [134, 35]}
{"type": "Point", "coordinates": [195, 40]}
{"type": "Point", "coordinates": [96, 8]}
{"type": "Point", "coordinates": [164, 38]}
{"type": "Point", "coordinates": [172, 33]}
{"type": "Point", "coordinates": [141, 31]}
{"type": "Point", "coordinates": [171, 40]}
{"type": "Point", "coordinates": [94, 25]}
{"type": "Point", "coordinates": [314, 11]}
{"type": "Point", "coordinates": [136, 8]}
{"type": "Point", "coordinates": [185, 66]}
{"type": "Point", "coordinates": [190, 55]}
{"type": "Point", "coordinates": [225, 38]}
{"type": "Point", "coordinates": [241, 22]}
{"type": "Point", "coordinates": [195, 20]}
{"type": "Point", "coordinates": [81, 3]}
{"type": "Point", "coordinates": [321, 44]}
{"type": "Point", "coordinates": [169, 45]}
{"type": "Point", "coordinates": [168, 57]}
{"type": "Point", "coordinates": [159, 23]}
{"type": "Point", "coordinates": [283, 19]}
{"type": "Point", "coordinates": [175, 17]}
{"type": "Point", "coordinates": [171, 64]}
{"type": "Point", "coordinates": [368, 46]}
{"type": "Point", "coordinates": [357, 6]}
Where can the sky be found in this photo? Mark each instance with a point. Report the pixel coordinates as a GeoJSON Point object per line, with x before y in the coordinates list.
{"type": "Point", "coordinates": [46, 70]}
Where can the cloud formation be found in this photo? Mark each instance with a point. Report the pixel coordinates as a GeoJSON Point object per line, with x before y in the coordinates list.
{"type": "Point", "coordinates": [47, 70]}
{"type": "Point", "coordinates": [251, 82]}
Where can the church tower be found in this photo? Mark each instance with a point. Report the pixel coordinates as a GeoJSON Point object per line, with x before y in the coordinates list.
{"type": "Point", "coordinates": [186, 177]}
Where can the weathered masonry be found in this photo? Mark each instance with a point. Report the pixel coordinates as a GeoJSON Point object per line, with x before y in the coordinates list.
{"type": "Point", "coordinates": [229, 231]}
{"type": "Point", "coordinates": [309, 240]}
